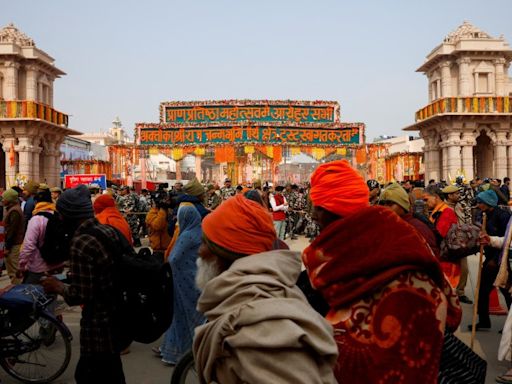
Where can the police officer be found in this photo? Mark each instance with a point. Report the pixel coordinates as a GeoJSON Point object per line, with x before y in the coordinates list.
{"type": "Point", "coordinates": [227, 190]}
{"type": "Point", "coordinates": [127, 205]}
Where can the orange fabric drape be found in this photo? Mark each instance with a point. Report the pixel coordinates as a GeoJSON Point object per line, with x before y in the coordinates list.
{"type": "Point", "coordinates": [361, 155]}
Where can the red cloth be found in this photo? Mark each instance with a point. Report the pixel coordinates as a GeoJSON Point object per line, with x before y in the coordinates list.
{"type": "Point", "coordinates": [338, 188]}
{"type": "Point", "coordinates": [240, 225]}
{"type": "Point", "coordinates": [447, 218]}
{"type": "Point", "coordinates": [424, 231]}
{"type": "Point", "coordinates": [388, 298]}
{"type": "Point", "coordinates": [111, 216]}
{"type": "Point", "coordinates": [279, 215]}
{"type": "Point", "coordinates": [102, 202]}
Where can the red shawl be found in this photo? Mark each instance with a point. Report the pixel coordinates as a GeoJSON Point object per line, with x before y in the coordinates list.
{"type": "Point", "coordinates": [389, 299]}
{"type": "Point", "coordinates": [364, 251]}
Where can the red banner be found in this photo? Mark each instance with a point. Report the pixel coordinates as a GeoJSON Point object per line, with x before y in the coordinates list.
{"type": "Point", "coordinates": [72, 181]}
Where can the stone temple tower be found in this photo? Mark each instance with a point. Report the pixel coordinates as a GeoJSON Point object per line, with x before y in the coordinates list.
{"type": "Point", "coordinates": [467, 123]}
{"type": "Point", "coordinates": [31, 130]}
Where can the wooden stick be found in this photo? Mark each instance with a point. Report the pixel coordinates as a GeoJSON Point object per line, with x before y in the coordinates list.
{"type": "Point", "coordinates": [478, 281]}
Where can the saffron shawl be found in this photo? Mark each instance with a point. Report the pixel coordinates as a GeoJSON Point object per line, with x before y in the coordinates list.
{"type": "Point", "coordinates": [389, 301]}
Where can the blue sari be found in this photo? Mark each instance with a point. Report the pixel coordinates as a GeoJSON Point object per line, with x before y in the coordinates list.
{"type": "Point", "coordinates": [178, 338]}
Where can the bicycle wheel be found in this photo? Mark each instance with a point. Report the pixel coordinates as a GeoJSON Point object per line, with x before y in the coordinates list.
{"type": "Point", "coordinates": [185, 371]}
{"type": "Point", "coordinates": [43, 351]}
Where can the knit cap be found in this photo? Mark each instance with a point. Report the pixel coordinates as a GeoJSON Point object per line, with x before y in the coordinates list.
{"type": "Point", "coordinates": [396, 194]}
{"type": "Point", "coordinates": [75, 203]}
{"type": "Point", "coordinates": [488, 197]}
{"type": "Point", "coordinates": [10, 196]}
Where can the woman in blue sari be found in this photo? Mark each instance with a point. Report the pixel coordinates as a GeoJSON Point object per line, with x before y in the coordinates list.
{"type": "Point", "coordinates": [178, 338]}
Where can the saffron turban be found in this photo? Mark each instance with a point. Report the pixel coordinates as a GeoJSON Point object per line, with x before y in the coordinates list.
{"type": "Point", "coordinates": [102, 202]}
{"type": "Point", "coordinates": [239, 227]}
{"type": "Point", "coordinates": [338, 188]}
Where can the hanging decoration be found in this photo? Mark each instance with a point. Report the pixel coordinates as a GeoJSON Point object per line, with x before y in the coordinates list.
{"type": "Point", "coordinates": [249, 149]}
{"type": "Point", "coordinates": [177, 154]}
{"type": "Point", "coordinates": [341, 151]}
{"type": "Point", "coordinates": [199, 151]}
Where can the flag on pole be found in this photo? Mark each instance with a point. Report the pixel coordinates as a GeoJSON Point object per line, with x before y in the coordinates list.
{"type": "Point", "coordinates": [12, 155]}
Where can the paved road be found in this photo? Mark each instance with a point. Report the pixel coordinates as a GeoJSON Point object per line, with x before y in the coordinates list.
{"type": "Point", "coordinates": [141, 367]}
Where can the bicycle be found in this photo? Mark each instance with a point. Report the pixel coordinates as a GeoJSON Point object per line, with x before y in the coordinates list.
{"type": "Point", "coordinates": [185, 371]}
{"type": "Point", "coordinates": [35, 346]}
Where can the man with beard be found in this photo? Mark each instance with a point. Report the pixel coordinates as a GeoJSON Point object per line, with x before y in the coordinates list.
{"type": "Point", "coordinates": [260, 327]}
{"type": "Point", "coordinates": [367, 262]}
{"type": "Point", "coordinates": [91, 285]}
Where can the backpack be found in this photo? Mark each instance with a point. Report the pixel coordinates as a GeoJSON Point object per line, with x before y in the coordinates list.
{"type": "Point", "coordinates": [57, 239]}
{"type": "Point", "coordinates": [143, 302]}
{"type": "Point", "coordinates": [461, 240]}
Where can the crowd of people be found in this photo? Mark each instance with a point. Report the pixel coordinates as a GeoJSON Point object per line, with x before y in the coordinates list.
{"type": "Point", "coordinates": [374, 265]}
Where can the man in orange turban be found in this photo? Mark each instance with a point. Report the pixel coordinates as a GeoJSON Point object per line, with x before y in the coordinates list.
{"type": "Point", "coordinates": [254, 308]}
{"type": "Point", "coordinates": [107, 213]}
{"type": "Point", "coordinates": [337, 190]}
{"type": "Point", "coordinates": [366, 263]}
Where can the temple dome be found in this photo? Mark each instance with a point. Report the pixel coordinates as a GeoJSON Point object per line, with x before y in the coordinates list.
{"type": "Point", "coordinates": [11, 34]}
{"type": "Point", "coordinates": [467, 31]}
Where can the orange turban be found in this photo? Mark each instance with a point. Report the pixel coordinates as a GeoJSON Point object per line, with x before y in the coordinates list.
{"type": "Point", "coordinates": [102, 202]}
{"type": "Point", "coordinates": [241, 227]}
{"type": "Point", "coordinates": [338, 188]}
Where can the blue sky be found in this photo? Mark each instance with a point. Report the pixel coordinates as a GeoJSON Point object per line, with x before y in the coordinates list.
{"type": "Point", "coordinates": [123, 57]}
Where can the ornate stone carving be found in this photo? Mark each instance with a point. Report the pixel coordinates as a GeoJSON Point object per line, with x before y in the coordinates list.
{"type": "Point", "coordinates": [464, 60]}
{"type": "Point", "coordinates": [468, 138]}
{"type": "Point", "coordinates": [11, 34]}
{"type": "Point", "coordinates": [12, 64]}
{"type": "Point", "coordinates": [466, 31]}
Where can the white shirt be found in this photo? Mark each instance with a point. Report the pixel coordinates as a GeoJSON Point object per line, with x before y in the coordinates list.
{"type": "Point", "coordinates": [275, 208]}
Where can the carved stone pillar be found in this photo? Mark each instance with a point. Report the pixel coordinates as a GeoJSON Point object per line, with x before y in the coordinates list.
{"type": "Point", "coordinates": [11, 80]}
{"type": "Point", "coordinates": [10, 172]}
{"type": "Point", "coordinates": [40, 95]}
{"type": "Point", "coordinates": [25, 156]}
{"type": "Point", "coordinates": [453, 164]}
{"type": "Point", "coordinates": [464, 76]}
{"type": "Point", "coordinates": [431, 149]}
{"type": "Point", "coordinates": [434, 171]}
{"type": "Point", "coordinates": [50, 95]}
{"type": "Point", "coordinates": [31, 82]}
{"type": "Point", "coordinates": [36, 166]}
{"type": "Point", "coordinates": [426, 155]}
{"type": "Point", "coordinates": [500, 76]}
{"type": "Point", "coordinates": [501, 155]}
{"type": "Point", "coordinates": [468, 142]}
{"type": "Point", "coordinates": [446, 79]}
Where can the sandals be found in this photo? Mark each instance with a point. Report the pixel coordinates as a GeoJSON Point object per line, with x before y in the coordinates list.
{"type": "Point", "coordinates": [157, 351]}
{"type": "Point", "coordinates": [504, 379]}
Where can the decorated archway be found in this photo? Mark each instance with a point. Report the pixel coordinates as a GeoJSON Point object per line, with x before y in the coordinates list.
{"type": "Point", "coordinates": [241, 139]}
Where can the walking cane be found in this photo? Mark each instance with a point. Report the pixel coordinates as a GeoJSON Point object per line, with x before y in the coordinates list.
{"type": "Point", "coordinates": [478, 281]}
